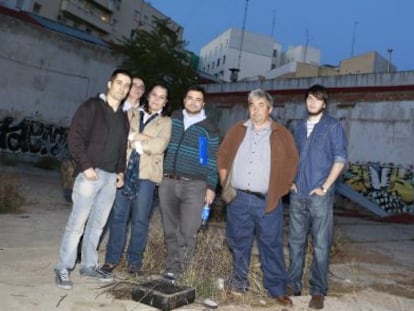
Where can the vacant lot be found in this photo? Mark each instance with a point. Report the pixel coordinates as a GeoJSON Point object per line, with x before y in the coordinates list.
{"type": "Point", "coordinates": [372, 270]}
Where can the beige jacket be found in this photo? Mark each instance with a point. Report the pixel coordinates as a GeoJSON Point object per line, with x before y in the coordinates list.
{"type": "Point", "coordinates": [159, 132]}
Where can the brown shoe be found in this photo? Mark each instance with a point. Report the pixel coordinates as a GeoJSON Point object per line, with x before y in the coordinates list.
{"type": "Point", "coordinates": [316, 302]}
{"type": "Point", "coordinates": [235, 292]}
{"type": "Point", "coordinates": [284, 301]}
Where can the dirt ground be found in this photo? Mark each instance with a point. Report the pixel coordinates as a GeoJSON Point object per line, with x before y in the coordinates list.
{"type": "Point", "coordinates": [373, 268]}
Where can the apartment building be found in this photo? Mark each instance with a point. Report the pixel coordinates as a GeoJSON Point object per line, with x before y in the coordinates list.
{"type": "Point", "coordinates": [369, 62]}
{"type": "Point", "coordinates": [247, 54]}
{"type": "Point", "coordinates": [107, 19]}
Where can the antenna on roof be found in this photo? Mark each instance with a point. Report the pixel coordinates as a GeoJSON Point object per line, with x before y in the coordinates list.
{"type": "Point", "coordinates": [306, 45]}
{"type": "Point", "coordinates": [353, 37]}
{"type": "Point", "coordinates": [273, 23]}
{"type": "Point", "coordinates": [242, 35]}
{"type": "Point", "coordinates": [234, 76]}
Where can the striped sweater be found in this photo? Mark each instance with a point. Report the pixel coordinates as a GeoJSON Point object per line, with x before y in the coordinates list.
{"type": "Point", "coordinates": [182, 157]}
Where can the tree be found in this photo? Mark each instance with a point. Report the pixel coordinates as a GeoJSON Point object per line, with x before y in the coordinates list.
{"type": "Point", "coordinates": [159, 57]}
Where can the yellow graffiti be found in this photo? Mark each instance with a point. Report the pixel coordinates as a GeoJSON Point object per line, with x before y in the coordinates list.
{"type": "Point", "coordinates": [373, 177]}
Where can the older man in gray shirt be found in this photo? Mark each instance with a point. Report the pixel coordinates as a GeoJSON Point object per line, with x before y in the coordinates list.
{"type": "Point", "coordinates": [262, 158]}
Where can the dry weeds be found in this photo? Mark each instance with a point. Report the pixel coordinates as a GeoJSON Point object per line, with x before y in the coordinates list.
{"type": "Point", "coordinates": [10, 199]}
{"type": "Point", "coordinates": [211, 265]}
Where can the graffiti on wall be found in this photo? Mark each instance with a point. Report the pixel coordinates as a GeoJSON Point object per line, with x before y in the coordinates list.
{"type": "Point", "coordinates": [33, 137]}
{"type": "Point", "coordinates": [389, 185]}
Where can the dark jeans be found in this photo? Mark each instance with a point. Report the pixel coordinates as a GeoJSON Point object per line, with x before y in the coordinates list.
{"type": "Point", "coordinates": [314, 215]}
{"type": "Point", "coordinates": [138, 211]}
{"type": "Point", "coordinates": [246, 220]}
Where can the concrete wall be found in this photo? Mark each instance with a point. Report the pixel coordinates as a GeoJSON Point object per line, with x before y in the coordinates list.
{"type": "Point", "coordinates": [47, 74]}
{"type": "Point", "coordinates": [377, 110]}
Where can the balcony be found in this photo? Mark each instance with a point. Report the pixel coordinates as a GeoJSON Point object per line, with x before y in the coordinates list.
{"type": "Point", "coordinates": [88, 16]}
{"type": "Point", "coordinates": [106, 4]}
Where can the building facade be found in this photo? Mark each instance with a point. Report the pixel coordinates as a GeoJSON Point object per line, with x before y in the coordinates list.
{"type": "Point", "coordinates": [253, 57]}
{"type": "Point", "coordinates": [110, 20]}
{"type": "Point", "coordinates": [247, 53]}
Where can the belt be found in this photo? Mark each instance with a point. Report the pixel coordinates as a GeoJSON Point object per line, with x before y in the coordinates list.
{"type": "Point", "coordinates": [177, 177]}
{"type": "Point", "coordinates": [258, 195]}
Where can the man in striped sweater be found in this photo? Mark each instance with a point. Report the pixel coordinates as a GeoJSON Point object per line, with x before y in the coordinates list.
{"type": "Point", "coordinates": [190, 179]}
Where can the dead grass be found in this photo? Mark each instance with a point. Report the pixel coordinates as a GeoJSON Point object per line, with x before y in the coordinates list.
{"type": "Point", "coordinates": [10, 199]}
{"type": "Point", "coordinates": [211, 263]}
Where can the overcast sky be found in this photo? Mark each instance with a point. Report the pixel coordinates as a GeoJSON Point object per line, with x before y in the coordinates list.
{"type": "Point", "coordinates": [336, 27]}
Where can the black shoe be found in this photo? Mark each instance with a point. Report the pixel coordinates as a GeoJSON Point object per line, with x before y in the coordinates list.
{"type": "Point", "coordinates": [108, 267]}
{"type": "Point", "coordinates": [134, 270]}
{"type": "Point", "coordinates": [291, 292]}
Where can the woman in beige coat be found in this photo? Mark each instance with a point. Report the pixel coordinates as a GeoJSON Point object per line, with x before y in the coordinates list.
{"type": "Point", "coordinates": [150, 131]}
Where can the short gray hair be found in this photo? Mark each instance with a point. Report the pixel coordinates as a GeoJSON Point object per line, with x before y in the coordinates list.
{"type": "Point", "coordinates": [260, 94]}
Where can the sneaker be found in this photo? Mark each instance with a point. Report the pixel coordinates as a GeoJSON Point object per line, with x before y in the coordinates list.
{"type": "Point", "coordinates": [316, 302]}
{"type": "Point", "coordinates": [170, 276]}
{"type": "Point", "coordinates": [96, 273]}
{"type": "Point", "coordinates": [62, 279]}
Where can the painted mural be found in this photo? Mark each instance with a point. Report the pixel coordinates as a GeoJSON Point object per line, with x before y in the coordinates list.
{"type": "Point", "coordinates": [33, 137]}
{"type": "Point", "coordinates": [390, 186]}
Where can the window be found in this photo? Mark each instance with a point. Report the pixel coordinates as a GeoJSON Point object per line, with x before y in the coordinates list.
{"type": "Point", "coordinates": [218, 62]}
{"type": "Point", "coordinates": [136, 16]}
{"type": "Point", "coordinates": [224, 59]}
{"type": "Point", "coordinates": [274, 53]}
{"type": "Point", "coordinates": [37, 7]}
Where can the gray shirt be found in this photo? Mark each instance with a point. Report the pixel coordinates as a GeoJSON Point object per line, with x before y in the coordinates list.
{"type": "Point", "coordinates": [251, 167]}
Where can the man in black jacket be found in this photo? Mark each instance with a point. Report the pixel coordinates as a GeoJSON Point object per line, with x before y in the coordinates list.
{"type": "Point", "coordinates": [97, 141]}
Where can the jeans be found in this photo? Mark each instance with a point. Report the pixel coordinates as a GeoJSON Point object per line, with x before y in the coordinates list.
{"type": "Point", "coordinates": [181, 203]}
{"type": "Point", "coordinates": [92, 203]}
{"type": "Point", "coordinates": [138, 211]}
{"type": "Point", "coordinates": [314, 215]}
{"type": "Point", "coordinates": [246, 220]}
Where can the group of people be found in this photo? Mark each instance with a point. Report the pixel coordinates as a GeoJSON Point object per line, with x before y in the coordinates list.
{"type": "Point", "coordinates": [124, 148]}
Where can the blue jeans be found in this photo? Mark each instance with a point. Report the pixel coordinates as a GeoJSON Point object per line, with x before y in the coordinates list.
{"type": "Point", "coordinates": [314, 215]}
{"type": "Point", "coordinates": [138, 211]}
{"type": "Point", "coordinates": [92, 203]}
{"type": "Point", "coordinates": [246, 220]}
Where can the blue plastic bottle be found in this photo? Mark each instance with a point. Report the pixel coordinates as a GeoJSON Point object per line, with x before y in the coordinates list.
{"type": "Point", "coordinates": [205, 213]}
